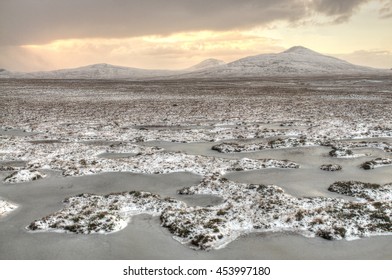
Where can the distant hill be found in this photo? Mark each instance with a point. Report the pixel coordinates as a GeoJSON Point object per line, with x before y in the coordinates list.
{"type": "Point", "coordinates": [4, 73]}
{"type": "Point", "coordinates": [97, 71]}
{"type": "Point", "coordinates": [296, 61]}
{"type": "Point", "coordinates": [206, 64]}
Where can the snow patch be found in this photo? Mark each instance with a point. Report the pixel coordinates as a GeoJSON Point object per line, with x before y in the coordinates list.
{"type": "Point", "coordinates": [378, 162]}
{"type": "Point", "coordinates": [6, 207]}
{"type": "Point", "coordinates": [24, 175]}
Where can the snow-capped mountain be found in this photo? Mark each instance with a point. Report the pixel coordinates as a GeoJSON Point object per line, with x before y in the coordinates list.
{"type": "Point", "coordinates": [97, 71]}
{"type": "Point", "coordinates": [206, 64]}
{"type": "Point", "coordinates": [108, 71]}
{"type": "Point", "coordinates": [296, 61]}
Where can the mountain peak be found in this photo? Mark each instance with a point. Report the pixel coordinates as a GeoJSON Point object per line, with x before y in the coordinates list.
{"type": "Point", "coordinates": [300, 50]}
{"type": "Point", "coordinates": [208, 63]}
{"type": "Point", "coordinates": [101, 65]}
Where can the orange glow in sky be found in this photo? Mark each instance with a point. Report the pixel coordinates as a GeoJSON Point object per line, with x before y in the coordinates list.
{"type": "Point", "coordinates": [365, 39]}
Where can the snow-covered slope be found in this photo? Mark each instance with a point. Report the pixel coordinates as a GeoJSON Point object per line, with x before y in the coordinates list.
{"type": "Point", "coordinates": [296, 61]}
{"type": "Point", "coordinates": [97, 71]}
{"type": "Point", "coordinates": [206, 64]}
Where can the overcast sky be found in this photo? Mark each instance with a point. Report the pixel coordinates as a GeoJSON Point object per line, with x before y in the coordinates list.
{"type": "Point", "coordinates": [172, 34]}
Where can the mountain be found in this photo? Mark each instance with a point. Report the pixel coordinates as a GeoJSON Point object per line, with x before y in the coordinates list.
{"type": "Point", "coordinates": [5, 73]}
{"type": "Point", "coordinates": [97, 71]}
{"type": "Point", "coordinates": [205, 64]}
{"type": "Point", "coordinates": [108, 71]}
{"type": "Point", "coordinates": [296, 61]}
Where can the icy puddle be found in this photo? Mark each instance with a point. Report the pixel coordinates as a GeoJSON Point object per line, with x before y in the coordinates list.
{"type": "Point", "coordinates": [11, 163]}
{"type": "Point", "coordinates": [309, 179]}
{"type": "Point", "coordinates": [15, 132]}
{"type": "Point", "coordinates": [116, 155]}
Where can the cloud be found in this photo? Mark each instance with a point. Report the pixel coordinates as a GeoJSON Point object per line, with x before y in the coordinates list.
{"type": "Point", "coordinates": [386, 10]}
{"type": "Point", "coordinates": [339, 10]}
{"type": "Point", "coordinates": [42, 21]}
{"type": "Point", "coordinates": [175, 51]}
{"type": "Point", "coordinates": [16, 58]}
{"type": "Point", "coordinates": [373, 58]}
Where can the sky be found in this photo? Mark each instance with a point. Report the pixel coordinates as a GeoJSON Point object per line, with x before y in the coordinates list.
{"type": "Point", "coordinates": [40, 35]}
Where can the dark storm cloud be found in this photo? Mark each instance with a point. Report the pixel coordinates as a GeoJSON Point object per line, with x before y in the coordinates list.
{"type": "Point", "coordinates": [341, 10]}
{"type": "Point", "coordinates": [39, 21]}
{"type": "Point", "coordinates": [337, 7]}
{"type": "Point", "coordinates": [386, 11]}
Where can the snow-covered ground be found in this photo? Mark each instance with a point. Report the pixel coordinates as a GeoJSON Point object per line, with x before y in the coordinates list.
{"type": "Point", "coordinates": [88, 213]}
{"type": "Point", "coordinates": [378, 162]}
{"type": "Point", "coordinates": [77, 159]}
{"type": "Point", "coordinates": [6, 207]}
{"type": "Point", "coordinates": [21, 176]}
{"type": "Point", "coordinates": [344, 153]}
{"type": "Point", "coordinates": [331, 167]}
{"type": "Point", "coordinates": [227, 147]}
{"type": "Point", "coordinates": [371, 192]}
{"type": "Point", "coordinates": [68, 125]}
